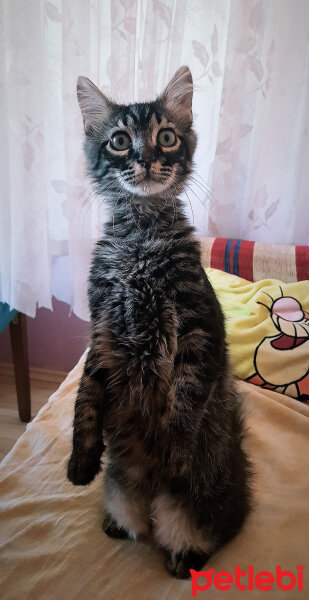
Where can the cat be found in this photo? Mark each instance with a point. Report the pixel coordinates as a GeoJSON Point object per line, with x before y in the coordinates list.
{"type": "Point", "coordinates": [156, 392]}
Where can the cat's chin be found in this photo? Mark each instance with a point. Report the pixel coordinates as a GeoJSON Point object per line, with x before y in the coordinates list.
{"type": "Point", "coordinates": [147, 188]}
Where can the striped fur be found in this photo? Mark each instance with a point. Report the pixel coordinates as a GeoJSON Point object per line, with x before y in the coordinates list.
{"type": "Point", "coordinates": [156, 380]}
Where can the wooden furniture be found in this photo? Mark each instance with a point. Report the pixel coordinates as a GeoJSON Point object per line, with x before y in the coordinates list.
{"type": "Point", "coordinates": [18, 333]}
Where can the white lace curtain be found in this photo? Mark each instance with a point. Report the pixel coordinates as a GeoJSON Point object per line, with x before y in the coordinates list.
{"type": "Point", "coordinates": [249, 60]}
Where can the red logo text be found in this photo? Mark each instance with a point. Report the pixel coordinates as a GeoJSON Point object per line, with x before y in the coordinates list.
{"type": "Point", "coordinates": [247, 580]}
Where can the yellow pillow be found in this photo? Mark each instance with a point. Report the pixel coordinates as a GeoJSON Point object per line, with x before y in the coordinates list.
{"type": "Point", "coordinates": [267, 325]}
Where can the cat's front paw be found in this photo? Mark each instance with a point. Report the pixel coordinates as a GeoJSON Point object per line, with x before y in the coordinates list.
{"type": "Point", "coordinates": [82, 471]}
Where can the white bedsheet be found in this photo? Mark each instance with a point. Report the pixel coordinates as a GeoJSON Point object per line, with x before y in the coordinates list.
{"type": "Point", "coordinates": [51, 543]}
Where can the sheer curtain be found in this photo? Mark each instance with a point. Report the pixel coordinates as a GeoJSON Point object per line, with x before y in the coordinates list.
{"type": "Point", "coordinates": [249, 61]}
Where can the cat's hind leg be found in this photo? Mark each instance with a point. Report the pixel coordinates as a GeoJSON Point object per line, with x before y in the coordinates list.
{"type": "Point", "coordinates": [174, 530]}
{"type": "Point", "coordinates": [178, 564]}
{"type": "Point", "coordinates": [126, 510]}
{"type": "Point", "coordinates": [111, 528]}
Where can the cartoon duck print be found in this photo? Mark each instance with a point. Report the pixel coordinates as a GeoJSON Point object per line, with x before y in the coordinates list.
{"type": "Point", "coordinates": [282, 361]}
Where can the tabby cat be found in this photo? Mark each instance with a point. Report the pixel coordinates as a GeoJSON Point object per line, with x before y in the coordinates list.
{"type": "Point", "coordinates": [156, 393]}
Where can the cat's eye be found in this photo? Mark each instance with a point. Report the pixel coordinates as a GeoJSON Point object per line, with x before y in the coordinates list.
{"type": "Point", "coordinates": [167, 138]}
{"type": "Point", "coordinates": [120, 141]}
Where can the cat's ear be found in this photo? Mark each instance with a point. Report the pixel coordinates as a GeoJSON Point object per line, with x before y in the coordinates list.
{"type": "Point", "coordinates": [95, 107]}
{"type": "Point", "coordinates": [177, 96]}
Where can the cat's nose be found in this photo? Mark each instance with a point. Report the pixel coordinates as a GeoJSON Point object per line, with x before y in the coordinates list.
{"type": "Point", "coordinates": [144, 163]}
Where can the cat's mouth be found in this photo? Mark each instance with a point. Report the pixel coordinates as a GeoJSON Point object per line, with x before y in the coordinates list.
{"type": "Point", "coordinates": [147, 187]}
{"type": "Point", "coordinates": [148, 184]}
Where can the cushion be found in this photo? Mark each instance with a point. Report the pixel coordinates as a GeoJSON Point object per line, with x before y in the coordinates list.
{"type": "Point", "coordinates": [256, 260]}
{"type": "Point", "coordinates": [267, 326]}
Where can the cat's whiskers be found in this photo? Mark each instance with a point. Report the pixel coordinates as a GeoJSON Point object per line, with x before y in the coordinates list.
{"type": "Point", "coordinates": [203, 180]}
{"type": "Point", "coordinates": [203, 187]}
{"type": "Point", "coordinates": [174, 207]}
{"type": "Point", "coordinates": [198, 186]}
{"type": "Point", "coordinates": [202, 202]}
{"type": "Point", "coordinates": [89, 195]}
{"type": "Point", "coordinates": [93, 196]}
{"type": "Point", "coordinates": [205, 191]}
{"type": "Point", "coordinates": [127, 173]}
{"type": "Point", "coordinates": [185, 191]}
{"type": "Point", "coordinates": [130, 179]}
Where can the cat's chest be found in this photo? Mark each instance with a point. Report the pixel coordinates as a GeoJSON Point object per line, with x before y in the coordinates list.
{"type": "Point", "coordinates": [124, 262]}
{"type": "Point", "coordinates": [128, 279]}
{"type": "Point", "coordinates": [139, 291]}
{"type": "Point", "coordinates": [159, 263]}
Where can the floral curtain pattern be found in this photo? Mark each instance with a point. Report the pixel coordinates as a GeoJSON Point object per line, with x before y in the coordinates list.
{"type": "Point", "coordinates": [249, 60]}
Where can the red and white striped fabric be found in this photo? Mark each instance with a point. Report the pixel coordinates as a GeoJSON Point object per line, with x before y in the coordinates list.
{"type": "Point", "coordinates": [256, 260]}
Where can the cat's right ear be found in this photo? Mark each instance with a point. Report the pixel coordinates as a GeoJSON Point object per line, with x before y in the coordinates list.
{"type": "Point", "coordinates": [95, 107]}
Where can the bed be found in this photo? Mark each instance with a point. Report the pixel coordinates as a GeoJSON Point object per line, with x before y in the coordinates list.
{"type": "Point", "coordinates": [52, 545]}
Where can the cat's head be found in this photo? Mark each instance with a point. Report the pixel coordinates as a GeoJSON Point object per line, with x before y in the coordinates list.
{"type": "Point", "coordinates": [144, 149]}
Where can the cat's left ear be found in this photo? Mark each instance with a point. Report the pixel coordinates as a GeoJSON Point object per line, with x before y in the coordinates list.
{"type": "Point", "coordinates": [177, 96]}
